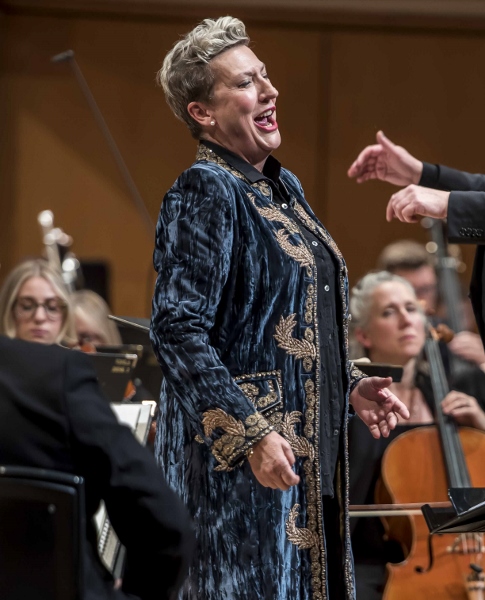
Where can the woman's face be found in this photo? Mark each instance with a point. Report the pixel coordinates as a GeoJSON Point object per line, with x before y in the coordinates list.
{"type": "Point", "coordinates": [86, 330]}
{"type": "Point", "coordinates": [243, 106]}
{"type": "Point", "coordinates": [38, 312]}
{"type": "Point", "coordinates": [395, 329]}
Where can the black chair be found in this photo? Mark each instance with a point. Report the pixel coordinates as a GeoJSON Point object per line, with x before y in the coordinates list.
{"type": "Point", "coordinates": [42, 531]}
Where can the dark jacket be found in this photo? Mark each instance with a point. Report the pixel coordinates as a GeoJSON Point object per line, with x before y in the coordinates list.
{"type": "Point", "coordinates": [54, 416]}
{"type": "Point", "coordinates": [466, 222]}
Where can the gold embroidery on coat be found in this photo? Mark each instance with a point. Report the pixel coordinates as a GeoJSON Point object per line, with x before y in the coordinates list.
{"type": "Point", "coordinates": [300, 536]}
{"type": "Point", "coordinates": [250, 390]}
{"type": "Point", "coordinates": [313, 226]}
{"type": "Point", "coordinates": [309, 335]}
{"type": "Point", "coordinates": [263, 187]}
{"type": "Point", "coordinates": [237, 436]}
{"type": "Point", "coordinates": [296, 250]}
{"type": "Point", "coordinates": [285, 339]}
{"type": "Point", "coordinates": [300, 446]}
{"type": "Point", "coordinates": [205, 153]}
{"type": "Point", "coordinates": [300, 252]}
{"type": "Point", "coordinates": [274, 214]}
{"type": "Point", "coordinates": [311, 401]}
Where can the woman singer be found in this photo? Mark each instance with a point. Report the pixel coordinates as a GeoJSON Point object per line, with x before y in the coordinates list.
{"type": "Point", "coordinates": [249, 324]}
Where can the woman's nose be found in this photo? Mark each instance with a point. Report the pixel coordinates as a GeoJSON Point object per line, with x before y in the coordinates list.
{"type": "Point", "coordinates": [40, 313]}
{"type": "Point", "coordinates": [405, 318]}
{"type": "Point", "coordinates": [268, 90]}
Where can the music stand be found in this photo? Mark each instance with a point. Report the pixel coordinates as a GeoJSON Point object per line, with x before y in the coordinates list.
{"type": "Point", "coordinates": [457, 518]}
{"type": "Point", "coordinates": [134, 331]}
{"type": "Point", "coordinates": [114, 371]}
{"type": "Point", "coordinates": [373, 369]}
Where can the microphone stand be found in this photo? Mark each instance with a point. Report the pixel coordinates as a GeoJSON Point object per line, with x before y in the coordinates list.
{"type": "Point", "coordinates": [68, 56]}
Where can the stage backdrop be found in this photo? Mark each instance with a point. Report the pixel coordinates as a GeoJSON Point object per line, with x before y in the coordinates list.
{"type": "Point", "coordinates": [340, 79]}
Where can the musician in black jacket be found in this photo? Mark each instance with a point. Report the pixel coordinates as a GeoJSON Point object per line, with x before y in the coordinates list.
{"type": "Point", "coordinates": [432, 191]}
{"type": "Point", "coordinates": [53, 416]}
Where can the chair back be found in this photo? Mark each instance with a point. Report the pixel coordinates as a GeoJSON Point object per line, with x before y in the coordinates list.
{"type": "Point", "coordinates": [42, 533]}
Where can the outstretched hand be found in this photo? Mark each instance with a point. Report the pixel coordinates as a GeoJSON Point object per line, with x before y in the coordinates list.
{"type": "Point", "coordinates": [387, 162]}
{"type": "Point", "coordinates": [377, 406]}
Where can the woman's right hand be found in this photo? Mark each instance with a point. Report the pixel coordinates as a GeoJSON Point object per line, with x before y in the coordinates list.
{"type": "Point", "coordinates": [387, 162]}
{"type": "Point", "coordinates": [272, 460]}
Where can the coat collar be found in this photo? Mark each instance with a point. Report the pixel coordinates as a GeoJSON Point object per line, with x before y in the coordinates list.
{"type": "Point", "coordinates": [271, 169]}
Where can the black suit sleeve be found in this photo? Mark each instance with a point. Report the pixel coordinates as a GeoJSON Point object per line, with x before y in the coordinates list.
{"type": "Point", "coordinates": [466, 208]}
{"type": "Point", "coordinates": [148, 517]}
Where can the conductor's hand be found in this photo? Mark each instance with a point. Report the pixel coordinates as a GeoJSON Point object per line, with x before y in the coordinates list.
{"type": "Point", "coordinates": [377, 406]}
{"type": "Point", "coordinates": [271, 462]}
{"type": "Point", "coordinates": [415, 201]}
{"type": "Point", "coordinates": [464, 409]}
{"type": "Point", "coordinates": [387, 162]}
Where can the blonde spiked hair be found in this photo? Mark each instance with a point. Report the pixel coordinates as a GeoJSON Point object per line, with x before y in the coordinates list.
{"type": "Point", "coordinates": [186, 74]}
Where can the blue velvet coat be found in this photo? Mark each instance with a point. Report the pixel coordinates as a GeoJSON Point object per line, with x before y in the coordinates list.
{"type": "Point", "coordinates": [234, 328]}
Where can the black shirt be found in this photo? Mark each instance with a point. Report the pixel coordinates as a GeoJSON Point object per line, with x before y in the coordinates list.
{"type": "Point", "coordinates": [332, 363]}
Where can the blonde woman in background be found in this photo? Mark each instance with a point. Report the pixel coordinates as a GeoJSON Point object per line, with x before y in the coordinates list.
{"type": "Point", "coordinates": [35, 305]}
{"type": "Point", "coordinates": [91, 320]}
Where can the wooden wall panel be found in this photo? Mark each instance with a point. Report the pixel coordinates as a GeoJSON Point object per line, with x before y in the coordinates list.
{"type": "Point", "coordinates": [426, 92]}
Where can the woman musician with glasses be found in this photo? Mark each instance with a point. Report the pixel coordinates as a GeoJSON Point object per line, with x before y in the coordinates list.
{"type": "Point", "coordinates": [35, 305]}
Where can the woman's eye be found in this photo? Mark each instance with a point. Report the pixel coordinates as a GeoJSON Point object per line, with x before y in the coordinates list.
{"type": "Point", "coordinates": [244, 84]}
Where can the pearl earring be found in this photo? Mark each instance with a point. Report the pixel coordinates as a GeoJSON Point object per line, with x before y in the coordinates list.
{"type": "Point", "coordinates": [213, 122]}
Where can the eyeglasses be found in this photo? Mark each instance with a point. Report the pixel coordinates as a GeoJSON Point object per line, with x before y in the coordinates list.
{"type": "Point", "coordinates": [25, 308]}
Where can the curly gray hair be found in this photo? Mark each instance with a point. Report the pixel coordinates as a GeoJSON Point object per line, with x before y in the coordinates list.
{"type": "Point", "coordinates": [186, 74]}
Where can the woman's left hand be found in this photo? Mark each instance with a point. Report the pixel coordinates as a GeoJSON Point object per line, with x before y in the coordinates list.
{"type": "Point", "coordinates": [377, 406]}
{"type": "Point", "coordinates": [464, 409]}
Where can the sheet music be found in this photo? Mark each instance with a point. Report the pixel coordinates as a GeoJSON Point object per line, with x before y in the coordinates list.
{"type": "Point", "coordinates": [139, 418]}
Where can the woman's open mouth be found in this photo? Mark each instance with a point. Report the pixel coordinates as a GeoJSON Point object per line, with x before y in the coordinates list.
{"type": "Point", "coordinates": [266, 121]}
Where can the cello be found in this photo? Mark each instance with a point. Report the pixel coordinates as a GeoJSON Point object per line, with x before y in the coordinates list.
{"type": "Point", "coordinates": [445, 456]}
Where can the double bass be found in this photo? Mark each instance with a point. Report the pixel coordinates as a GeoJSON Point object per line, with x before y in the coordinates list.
{"type": "Point", "coordinates": [420, 466]}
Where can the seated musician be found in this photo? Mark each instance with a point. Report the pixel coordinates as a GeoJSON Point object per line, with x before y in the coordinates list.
{"type": "Point", "coordinates": [94, 330]}
{"type": "Point", "coordinates": [53, 416]}
{"type": "Point", "coordinates": [91, 320]}
{"type": "Point", "coordinates": [411, 260]}
{"type": "Point", "coordinates": [35, 305]}
{"type": "Point", "coordinates": [389, 325]}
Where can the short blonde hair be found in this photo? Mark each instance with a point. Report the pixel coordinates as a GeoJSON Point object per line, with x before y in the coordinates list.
{"type": "Point", "coordinates": [37, 267]}
{"type": "Point", "coordinates": [93, 309]}
{"type": "Point", "coordinates": [186, 74]}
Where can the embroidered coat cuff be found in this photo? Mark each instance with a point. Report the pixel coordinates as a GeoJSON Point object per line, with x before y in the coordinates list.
{"type": "Point", "coordinates": [231, 447]}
